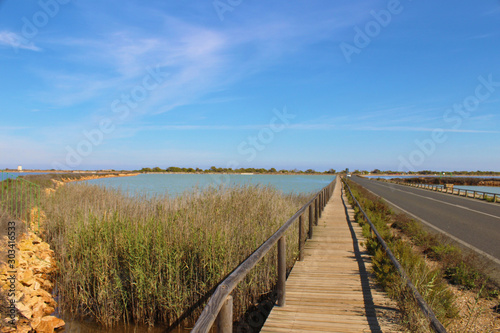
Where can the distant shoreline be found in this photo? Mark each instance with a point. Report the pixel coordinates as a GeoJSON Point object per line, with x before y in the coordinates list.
{"type": "Point", "coordinates": [240, 173]}
{"type": "Point", "coordinates": [100, 176]}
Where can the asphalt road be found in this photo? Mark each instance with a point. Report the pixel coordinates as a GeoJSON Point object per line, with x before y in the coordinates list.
{"type": "Point", "coordinates": [471, 222]}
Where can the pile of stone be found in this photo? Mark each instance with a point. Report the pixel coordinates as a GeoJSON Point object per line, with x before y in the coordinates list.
{"type": "Point", "coordinates": [33, 287]}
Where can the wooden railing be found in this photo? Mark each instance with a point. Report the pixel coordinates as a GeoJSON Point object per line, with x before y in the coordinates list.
{"type": "Point", "coordinates": [426, 309]}
{"type": "Point", "coordinates": [220, 306]}
{"type": "Point", "coordinates": [456, 191]}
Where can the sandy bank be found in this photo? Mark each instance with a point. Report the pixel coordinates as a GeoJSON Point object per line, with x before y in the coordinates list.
{"type": "Point", "coordinates": [98, 176]}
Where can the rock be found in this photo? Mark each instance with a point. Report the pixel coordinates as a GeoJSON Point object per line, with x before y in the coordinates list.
{"type": "Point", "coordinates": [24, 310]}
{"type": "Point", "coordinates": [39, 310]}
{"type": "Point", "coordinates": [46, 297]}
{"type": "Point", "coordinates": [26, 277]}
{"type": "Point", "coordinates": [35, 322]}
{"type": "Point", "coordinates": [34, 302]}
{"type": "Point", "coordinates": [23, 328]}
{"type": "Point", "coordinates": [49, 191]}
{"type": "Point", "coordinates": [49, 324]}
{"type": "Point", "coordinates": [48, 310]}
{"type": "Point", "coordinates": [47, 285]}
{"type": "Point", "coordinates": [36, 285]}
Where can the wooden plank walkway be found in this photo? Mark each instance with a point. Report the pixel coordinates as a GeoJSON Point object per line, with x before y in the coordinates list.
{"type": "Point", "coordinates": [331, 290]}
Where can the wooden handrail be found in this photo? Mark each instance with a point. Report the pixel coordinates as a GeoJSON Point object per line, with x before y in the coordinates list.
{"type": "Point", "coordinates": [223, 291]}
{"type": "Point", "coordinates": [426, 309]}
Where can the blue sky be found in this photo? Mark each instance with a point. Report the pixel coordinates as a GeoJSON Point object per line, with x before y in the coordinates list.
{"type": "Point", "coordinates": [401, 85]}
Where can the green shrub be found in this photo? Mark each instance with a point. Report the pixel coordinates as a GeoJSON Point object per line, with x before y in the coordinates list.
{"type": "Point", "coordinates": [463, 275]}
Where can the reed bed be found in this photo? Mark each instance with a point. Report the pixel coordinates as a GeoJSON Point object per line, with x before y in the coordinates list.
{"type": "Point", "coordinates": [147, 260]}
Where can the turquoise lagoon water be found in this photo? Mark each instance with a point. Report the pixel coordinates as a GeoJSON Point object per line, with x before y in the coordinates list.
{"type": "Point", "coordinates": [14, 175]}
{"type": "Point", "coordinates": [175, 184]}
{"type": "Point", "coordinates": [487, 189]}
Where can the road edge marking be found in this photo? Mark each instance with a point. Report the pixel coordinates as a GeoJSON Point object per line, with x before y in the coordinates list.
{"type": "Point", "coordinates": [467, 245]}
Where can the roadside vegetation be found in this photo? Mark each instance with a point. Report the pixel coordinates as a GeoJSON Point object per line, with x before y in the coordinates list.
{"type": "Point", "coordinates": [429, 259]}
{"type": "Point", "coordinates": [148, 260]}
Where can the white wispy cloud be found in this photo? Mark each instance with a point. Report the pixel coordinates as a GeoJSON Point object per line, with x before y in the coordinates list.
{"type": "Point", "coordinates": [420, 129]}
{"type": "Point", "coordinates": [9, 38]}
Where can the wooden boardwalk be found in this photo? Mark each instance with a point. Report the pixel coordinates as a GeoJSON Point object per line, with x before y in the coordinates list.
{"type": "Point", "coordinates": [331, 290]}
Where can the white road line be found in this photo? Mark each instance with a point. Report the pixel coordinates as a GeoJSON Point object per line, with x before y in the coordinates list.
{"type": "Point", "coordinates": [447, 203]}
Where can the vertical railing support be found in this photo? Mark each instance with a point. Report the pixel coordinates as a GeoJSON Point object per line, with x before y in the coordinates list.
{"type": "Point", "coordinates": [225, 317]}
{"type": "Point", "coordinates": [316, 214]}
{"type": "Point", "coordinates": [311, 221]}
{"type": "Point", "coordinates": [301, 238]}
{"type": "Point", "coordinates": [320, 202]}
{"type": "Point", "coordinates": [281, 271]}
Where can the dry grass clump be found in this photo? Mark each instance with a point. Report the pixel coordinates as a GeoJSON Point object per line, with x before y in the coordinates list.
{"type": "Point", "coordinates": [148, 259]}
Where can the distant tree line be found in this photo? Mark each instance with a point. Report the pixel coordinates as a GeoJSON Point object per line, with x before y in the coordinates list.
{"type": "Point", "coordinates": [214, 169]}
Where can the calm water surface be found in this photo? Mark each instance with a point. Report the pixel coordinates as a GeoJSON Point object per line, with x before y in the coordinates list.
{"type": "Point", "coordinates": [175, 184]}
{"type": "Point", "coordinates": [14, 175]}
{"type": "Point", "coordinates": [489, 189]}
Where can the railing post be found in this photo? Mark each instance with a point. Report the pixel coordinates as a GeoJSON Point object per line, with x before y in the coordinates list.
{"type": "Point", "coordinates": [225, 317]}
{"type": "Point", "coordinates": [316, 214]}
{"type": "Point", "coordinates": [281, 271]}
{"type": "Point", "coordinates": [311, 221]}
{"type": "Point", "coordinates": [301, 238]}
{"type": "Point", "coordinates": [320, 202]}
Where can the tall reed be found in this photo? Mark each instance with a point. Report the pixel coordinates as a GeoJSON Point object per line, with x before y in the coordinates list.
{"type": "Point", "coordinates": [147, 259]}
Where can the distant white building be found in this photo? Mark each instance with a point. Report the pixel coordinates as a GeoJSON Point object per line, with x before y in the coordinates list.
{"type": "Point", "coordinates": [20, 168]}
